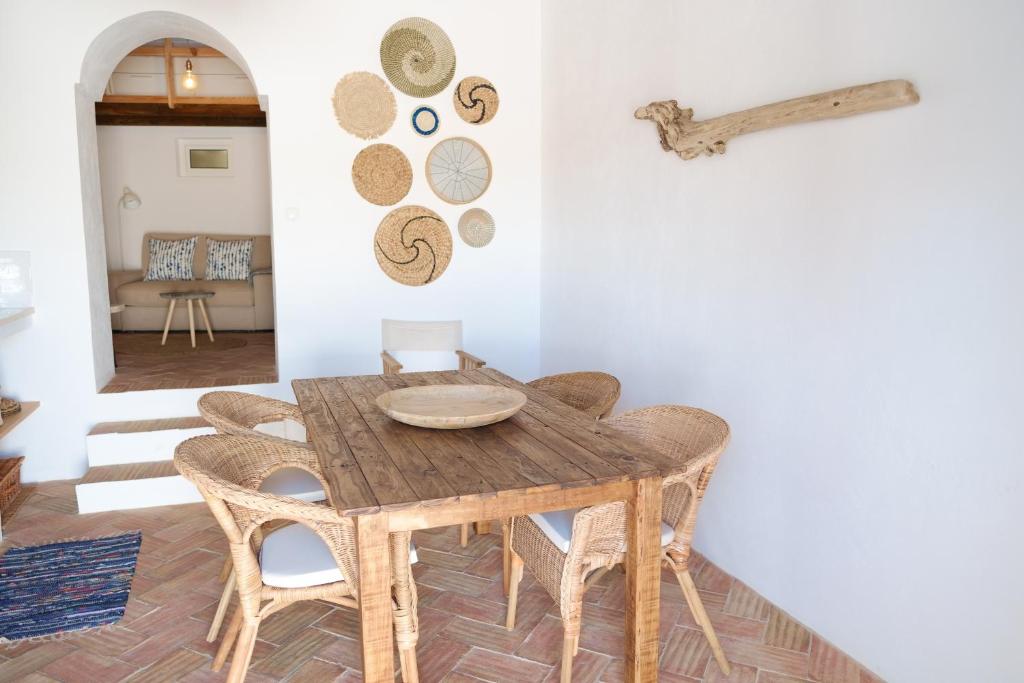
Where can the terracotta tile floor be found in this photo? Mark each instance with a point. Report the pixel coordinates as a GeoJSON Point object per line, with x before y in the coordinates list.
{"type": "Point", "coordinates": [253, 363]}
{"type": "Point", "coordinates": [162, 637]}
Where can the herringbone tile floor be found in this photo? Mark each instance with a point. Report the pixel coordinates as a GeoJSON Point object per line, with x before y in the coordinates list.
{"type": "Point", "coordinates": [162, 637]}
{"type": "Point", "coordinates": [253, 363]}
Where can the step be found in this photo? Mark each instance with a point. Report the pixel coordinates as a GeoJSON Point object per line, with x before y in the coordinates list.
{"type": "Point", "coordinates": [133, 485]}
{"type": "Point", "coordinates": [137, 441]}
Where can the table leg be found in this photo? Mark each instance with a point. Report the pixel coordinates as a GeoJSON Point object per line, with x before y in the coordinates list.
{"type": "Point", "coordinates": [206, 318]}
{"type": "Point", "coordinates": [167, 324]}
{"type": "Point", "coordinates": [643, 585]}
{"type": "Point", "coordinates": [375, 598]}
{"type": "Point", "coordinates": [191, 323]}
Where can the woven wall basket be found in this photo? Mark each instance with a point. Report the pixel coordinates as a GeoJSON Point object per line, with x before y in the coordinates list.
{"type": "Point", "coordinates": [417, 57]}
{"type": "Point", "coordinates": [476, 228]}
{"type": "Point", "coordinates": [364, 104]}
{"type": "Point", "coordinates": [413, 245]}
{"type": "Point", "coordinates": [382, 174]}
{"type": "Point", "coordinates": [475, 99]}
{"type": "Point", "coordinates": [458, 170]}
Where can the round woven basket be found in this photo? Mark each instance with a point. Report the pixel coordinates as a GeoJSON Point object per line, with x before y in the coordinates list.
{"type": "Point", "coordinates": [458, 170]}
{"type": "Point", "coordinates": [476, 100]}
{"type": "Point", "coordinates": [382, 174]}
{"type": "Point", "coordinates": [364, 105]}
{"type": "Point", "coordinates": [425, 121]}
{"type": "Point", "coordinates": [413, 245]}
{"type": "Point", "coordinates": [8, 406]}
{"type": "Point", "coordinates": [476, 228]}
{"type": "Point", "coordinates": [417, 57]}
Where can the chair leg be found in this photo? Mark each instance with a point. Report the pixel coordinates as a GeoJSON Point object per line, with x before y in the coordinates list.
{"type": "Point", "coordinates": [506, 553]}
{"type": "Point", "coordinates": [464, 535]}
{"type": "Point", "coordinates": [243, 651]}
{"type": "Point", "coordinates": [410, 671]}
{"type": "Point", "coordinates": [483, 528]}
{"type": "Point", "coordinates": [226, 568]}
{"type": "Point", "coordinates": [229, 640]}
{"type": "Point", "coordinates": [701, 617]}
{"type": "Point", "coordinates": [222, 607]}
{"type": "Point", "coordinates": [568, 652]}
{"type": "Point", "coordinates": [513, 591]}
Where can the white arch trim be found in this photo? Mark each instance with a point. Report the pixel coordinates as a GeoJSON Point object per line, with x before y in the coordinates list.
{"type": "Point", "coordinates": [120, 38]}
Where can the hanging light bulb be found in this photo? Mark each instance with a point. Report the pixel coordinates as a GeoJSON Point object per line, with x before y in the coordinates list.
{"type": "Point", "coordinates": [189, 81]}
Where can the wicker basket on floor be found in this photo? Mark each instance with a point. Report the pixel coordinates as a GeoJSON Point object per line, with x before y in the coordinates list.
{"type": "Point", "coordinates": [10, 481]}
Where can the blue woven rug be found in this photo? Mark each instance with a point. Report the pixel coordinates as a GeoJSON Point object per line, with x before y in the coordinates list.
{"type": "Point", "coordinates": [66, 586]}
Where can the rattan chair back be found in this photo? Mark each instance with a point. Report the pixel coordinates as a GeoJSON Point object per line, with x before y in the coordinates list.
{"type": "Point", "coordinates": [238, 413]}
{"type": "Point", "coordinates": [594, 393]}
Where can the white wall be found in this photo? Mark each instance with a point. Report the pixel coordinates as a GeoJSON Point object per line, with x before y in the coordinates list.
{"type": "Point", "coordinates": [846, 294]}
{"type": "Point", "coordinates": [145, 158]}
{"type": "Point", "coordinates": [330, 293]}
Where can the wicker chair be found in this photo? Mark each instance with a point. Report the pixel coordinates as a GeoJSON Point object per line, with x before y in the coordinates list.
{"type": "Point", "coordinates": [594, 393]}
{"type": "Point", "coordinates": [249, 415]}
{"type": "Point", "coordinates": [568, 550]}
{"type": "Point", "coordinates": [314, 558]}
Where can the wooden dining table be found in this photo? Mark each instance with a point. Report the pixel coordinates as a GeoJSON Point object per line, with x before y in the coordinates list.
{"type": "Point", "coordinates": [391, 477]}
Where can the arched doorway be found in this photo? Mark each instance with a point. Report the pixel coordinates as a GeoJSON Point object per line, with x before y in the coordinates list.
{"type": "Point", "coordinates": [102, 57]}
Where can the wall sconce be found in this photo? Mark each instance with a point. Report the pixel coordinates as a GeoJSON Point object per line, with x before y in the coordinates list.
{"type": "Point", "coordinates": [129, 199]}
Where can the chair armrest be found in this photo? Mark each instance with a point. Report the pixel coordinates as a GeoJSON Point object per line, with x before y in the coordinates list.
{"type": "Point", "coordinates": [116, 278]}
{"type": "Point", "coordinates": [468, 361]}
{"type": "Point", "coordinates": [391, 366]}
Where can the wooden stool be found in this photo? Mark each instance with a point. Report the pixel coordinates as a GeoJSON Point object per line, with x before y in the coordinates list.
{"type": "Point", "coordinates": [197, 296]}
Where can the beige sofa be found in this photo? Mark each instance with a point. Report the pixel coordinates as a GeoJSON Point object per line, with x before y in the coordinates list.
{"type": "Point", "coordinates": [236, 304]}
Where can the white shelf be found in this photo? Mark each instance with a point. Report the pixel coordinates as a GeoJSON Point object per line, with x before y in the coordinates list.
{"type": "Point", "coordinates": [9, 315]}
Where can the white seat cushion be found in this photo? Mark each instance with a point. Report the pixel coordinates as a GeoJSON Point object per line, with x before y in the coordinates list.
{"type": "Point", "coordinates": [295, 557]}
{"type": "Point", "coordinates": [426, 361]}
{"type": "Point", "coordinates": [557, 526]}
{"type": "Point", "coordinates": [294, 483]}
{"type": "Point", "coordinates": [286, 429]}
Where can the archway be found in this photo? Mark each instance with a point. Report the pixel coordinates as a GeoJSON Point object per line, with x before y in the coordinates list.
{"type": "Point", "coordinates": [99, 62]}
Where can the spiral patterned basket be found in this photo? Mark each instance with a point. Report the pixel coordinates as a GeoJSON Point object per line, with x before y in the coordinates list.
{"type": "Point", "coordinates": [417, 57]}
{"type": "Point", "coordinates": [413, 245]}
{"type": "Point", "coordinates": [364, 105]}
{"type": "Point", "coordinates": [476, 228]}
{"type": "Point", "coordinates": [382, 174]}
{"type": "Point", "coordinates": [476, 100]}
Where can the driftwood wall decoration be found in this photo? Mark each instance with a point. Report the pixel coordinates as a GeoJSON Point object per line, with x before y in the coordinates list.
{"type": "Point", "coordinates": [688, 138]}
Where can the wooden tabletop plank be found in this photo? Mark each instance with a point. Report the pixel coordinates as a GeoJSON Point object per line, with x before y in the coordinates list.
{"type": "Point", "coordinates": [547, 444]}
{"type": "Point", "coordinates": [384, 477]}
{"type": "Point", "coordinates": [421, 474]}
{"type": "Point", "coordinates": [564, 457]}
{"type": "Point", "coordinates": [509, 470]}
{"type": "Point", "coordinates": [456, 459]}
{"type": "Point", "coordinates": [458, 474]}
{"type": "Point", "coordinates": [595, 435]}
{"type": "Point", "coordinates": [349, 488]}
{"type": "Point", "coordinates": [571, 466]}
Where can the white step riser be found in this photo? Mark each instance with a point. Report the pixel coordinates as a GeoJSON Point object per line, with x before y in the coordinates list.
{"type": "Point", "coordinates": [136, 493]}
{"type": "Point", "coordinates": [128, 447]}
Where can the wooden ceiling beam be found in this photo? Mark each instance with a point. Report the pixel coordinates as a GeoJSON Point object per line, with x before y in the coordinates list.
{"type": "Point", "coordinates": [176, 51]}
{"type": "Point", "coordinates": [159, 114]}
{"type": "Point", "coordinates": [181, 101]}
{"type": "Point", "coordinates": [169, 72]}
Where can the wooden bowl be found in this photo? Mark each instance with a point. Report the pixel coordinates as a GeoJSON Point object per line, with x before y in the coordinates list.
{"type": "Point", "coordinates": [451, 406]}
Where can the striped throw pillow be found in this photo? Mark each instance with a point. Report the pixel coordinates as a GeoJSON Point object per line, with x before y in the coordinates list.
{"type": "Point", "coordinates": [228, 260]}
{"type": "Point", "coordinates": [170, 259]}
